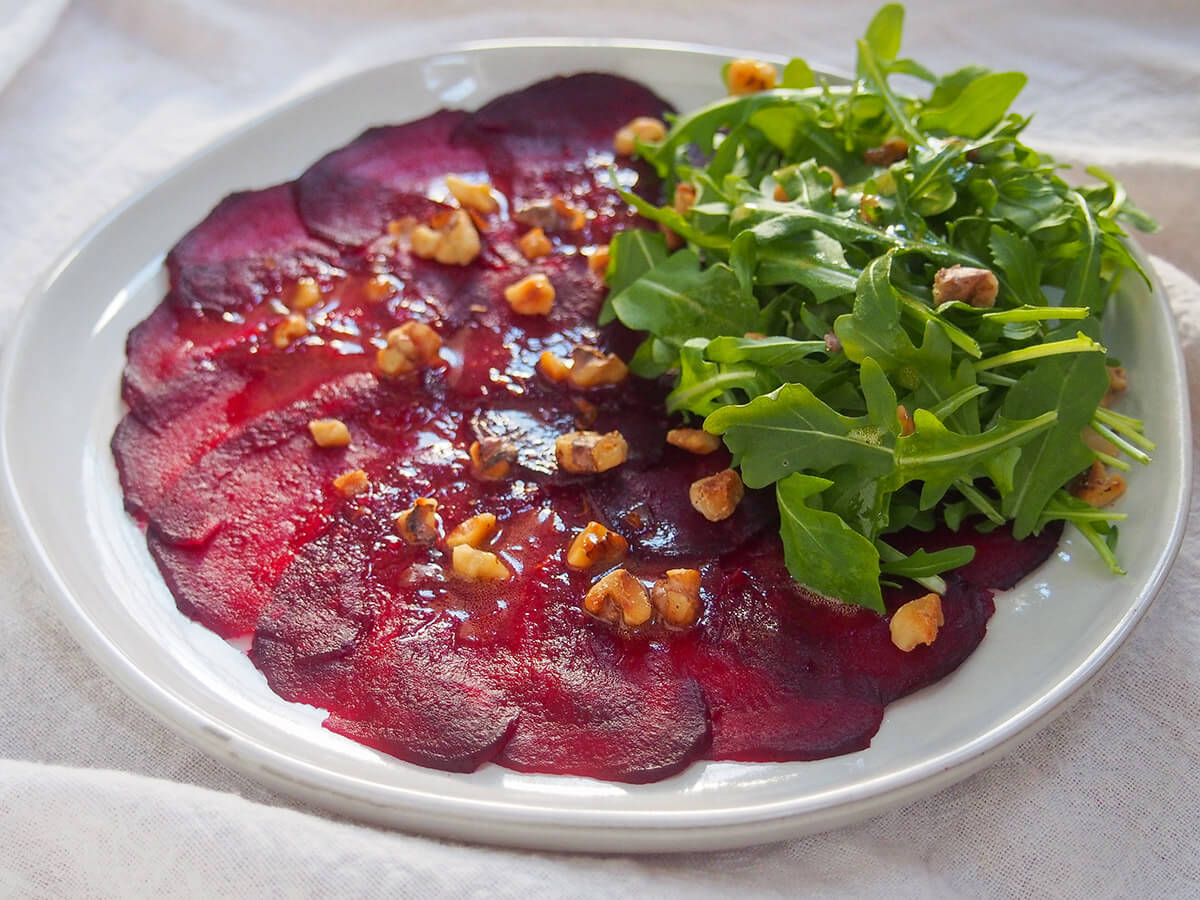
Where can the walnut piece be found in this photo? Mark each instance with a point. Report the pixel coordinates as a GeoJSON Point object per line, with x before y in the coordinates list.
{"type": "Point", "coordinates": [411, 346]}
{"type": "Point", "coordinates": [492, 459]}
{"type": "Point", "coordinates": [379, 287]}
{"type": "Point", "coordinates": [552, 367]}
{"type": "Point", "coordinates": [717, 496]}
{"type": "Point", "coordinates": [589, 451]}
{"type": "Point", "coordinates": [917, 622]}
{"type": "Point", "coordinates": [892, 150]}
{"type": "Point", "coordinates": [454, 242]}
{"type": "Point", "coordinates": [352, 483]}
{"type": "Point", "coordinates": [472, 196]}
{"type": "Point", "coordinates": [976, 287]}
{"type": "Point", "coordinates": [677, 597]}
{"type": "Point", "coordinates": [591, 368]}
{"type": "Point", "coordinates": [1097, 486]}
{"type": "Point", "coordinates": [693, 440]}
{"type": "Point", "coordinates": [596, 547]}
{"type": "Point", "coordinates": [533, 295]}
{"type": "Point", "coordinates": [418, 524]}
{"type": "Point", "coordinates": [619, 597]}
{"type": "Point", "coordinates": [329, 432]}
{"type": "Point", "coordinates": [685, 198]}
{"type": "Point", "coordinates": [534, 244]}
{"type": "Point", "coordinates": [478, 565]}
{"type": "Point", "coordinates": [292, 327]}
{"type": "Point", "coordinates": [749, 76]}
{"type": "Point", "coordinates": [306, 293]}
{"type": "Point", "coordinates": [473, 531]}
{"type": "Point", "coordinates": [598, 261]}
{"type": "Point", "coordinates": [644, 128]}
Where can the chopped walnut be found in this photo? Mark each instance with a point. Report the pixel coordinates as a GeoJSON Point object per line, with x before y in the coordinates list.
{"type": "Point", "coordinates": [892, 150]}
{"type": "Point", "coordinates": [533, 295]}
{"type": "Point", "coordinates": [1097, 486]}
{"type": "Point", "coordinates": [780, 195]}
{"type": "Point", "coordinates": [749, 76]}
{"type": "Point", "coordinates": [552, 367]}
{"type": "Point", "coordinates": [677, 597]}
{"type": "Point", "coordinates": [418, 524]}
{"type": "Point", "coordinates": [717, 496]}
{"type": "Point", "coordinates": [833, 343]}
{"type": "Point", "coordinates": [306, 293]}
{"type": "Point", "coordinates": [596, 547]}
{"type": "Point", "coordinates": [685, 198]}
{"type": "Point", "coordinates": [693, 440]}
{"type": "Point", "coordinates": [411, 346]}
{"type": "Point", "coordinates": [550, 215]}
{"type": "Point", "coordinates": [905, 418]}
{"type": "Point", "coordinates": [917, 622]}
{"type": "Point", "coordinates": [329, 432]}
{"type": "Point", "coordinates": [590, 451]}
{"type": "Point", "coordinates": [534, 244]}
{"type": "Point", "coordinates": [591, 368]}
{"type": "Point", "coordinates": [454, 241]}
{"type": "Point", "coordinates": [644, 129]}
{"type": "Point", "coordinates": [870, 210]}
{"type": "Point", "coordinates": [379, 287]}
{"type": "Point", "coordinates": [473, 532]}
{"type": "Point", "coordinates": [977, 287]}
{"type": "Point", "coordinates": [472, 196]}
{"type": "Point", "coordinates": [598, 261]}
{"type": "Point", "coordinates": [569, 217]}
{"type": "Point", "coordinates": [674, 240]}
{"type": "Point", "coordinates": [1118, 380]}
{"type": "Point", "coordinates": [492, 459]}
{"type": "Point", "coordinates": [619, 597]}
{"type": "Point", "coordinates": [478, 565]}
{"type": "Point", "coordinates": [352, 483]}
{"type": "Point", "coordinates": [292, 327]}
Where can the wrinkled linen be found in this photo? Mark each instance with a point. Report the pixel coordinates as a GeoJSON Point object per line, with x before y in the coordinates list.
{"type": "Point", "coordinates": [98, 799]}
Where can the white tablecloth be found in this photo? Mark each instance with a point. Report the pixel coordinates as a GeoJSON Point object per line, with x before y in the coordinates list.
{"type": "Point", "coordinates": [98, 800]}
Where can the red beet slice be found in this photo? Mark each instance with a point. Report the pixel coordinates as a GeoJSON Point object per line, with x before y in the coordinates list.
{"type": "Point", "coordinates": [404, 655]}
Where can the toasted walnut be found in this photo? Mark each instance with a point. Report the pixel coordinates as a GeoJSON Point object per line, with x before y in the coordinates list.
{"type": "Point", "coordinates": [870, 210]}
{"type": "Point", "coordinates": [749, 76]}
{"type": "Point", "coordinates": [717, 496]}
{"type": "Point", "coordinates": [306, 294]}
{"type": "Point", "coordinates": [550, 215]}
{"type": "Point", "coordinates": [570, 218]}
{"type": "Point", "coordinates": [533, 295]}
{"type": "Point", "coordinates": [917, 622]}
{"type": "Point", "coordinates": [402, 227]}
{"type": "Point", "coordinates": [552, 367]}
{"type": "Point", "coordinates": [453, 241]}
{"type": "Point", "coordinates": [693, 440]}
{"type": "Point", "coordinates": [590, 451]}
{"type": "Point", "coordinates": [473, 532]}
{"type": "Point", "coordinates": [352, 483]}
{"type": "Point", "coordinates": [833, 343]}
{"type": "Point", "coordinates": [904, 417]}
{"type": "Point", "coordinates": [977, 287]}
{"type": "Point", "coordinates": [591, 368]}
{"type": "Point", "coordinates": [685, 198]}
{"type": "Point", "coordinates": [890, 151]}
{"type": "Point", "coordinates": [674, 240]}
{"type": "Point", "coordinates": [478, 565]}
{"type": "Point", "coordinates": [596, 547]}
{"type": "Point", "coordinates": [290, 328]}
{"type": "Point", "coordinates": [619, 597]}
{"type": "Point", "coordinates": [780, 195]}
{"type": "Point", "coordinates": [677, 597]}
{"type": "Point", "coordinates": [411, 346]}
{"type": "Point", "coordinates": [1097, 486]}
{"type": "Point", "coordinates": [598, 261]}
{"type": "Point", "coordinates": [329, 432]}
{"type": "Point", "coordinates": [534, 244]}
{"type": "Point", "coordinates": [418, 524]}
{"type": "Point", "coordinates": [472, 196]}
{"type": "Point", "coordinates": [1118, 380]}
{"type": "Point", "coordinates": [643, 128]}
{"type": "Point", "coordinates": [492, 459]}
{"type": "Point", "coordinates": [379, 287]}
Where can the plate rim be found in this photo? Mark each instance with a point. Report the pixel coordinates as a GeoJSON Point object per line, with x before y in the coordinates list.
{"type": "Point", "coordinates": [726, 827]}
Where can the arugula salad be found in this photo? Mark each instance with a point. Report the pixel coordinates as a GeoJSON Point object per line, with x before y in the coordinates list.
{"type": "Point", "coordinates": [889, 308]}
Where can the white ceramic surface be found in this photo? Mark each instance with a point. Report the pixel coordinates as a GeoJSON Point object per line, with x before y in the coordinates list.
{"type": "Point", "coordinates": [60, 403]}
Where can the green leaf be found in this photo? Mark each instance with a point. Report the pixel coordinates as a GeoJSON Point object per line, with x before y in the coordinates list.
{"type": "Point", "coordinates": [791, 430]}
{"type": "Point", "coordinates": [1018, 259]}
{"type": "Point", "coordinates": [981, 104]}
{"type": "Point", "coordinates": [797, 74]}
{"type": "Point", "coordinates": [677, 300]}
{"type": "Point", "coordinates": [773, 352]}
{"type": "Point", "coordinates": [921, 564]}
{"type": "Point", "coordinates": [822, 552]}
{"type": "Point", "coordinates": [885, 30]}
{"type": "Point", "coordinates": [705, 386]}
{"type": "Point", "coordinates": [1083, 286]}
{"type": "Point", "coordinates": [631, 254]}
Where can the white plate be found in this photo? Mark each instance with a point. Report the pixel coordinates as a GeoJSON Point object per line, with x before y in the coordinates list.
{"type": "Point", "coordinates": [1049, 637]}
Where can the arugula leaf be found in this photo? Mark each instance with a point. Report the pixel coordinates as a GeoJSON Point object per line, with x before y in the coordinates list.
{"type": "Point", "coordinates": [921, 564]}
{"type": "Point", "coordinates": [631, 254]}
{"type": "Point", "coordinates": [822, 552]}
{"type": "Point", "coordinates": [979, 106]}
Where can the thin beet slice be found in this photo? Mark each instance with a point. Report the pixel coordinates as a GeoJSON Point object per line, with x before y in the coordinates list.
{"type": "Point", "coordinates": [250, 245]}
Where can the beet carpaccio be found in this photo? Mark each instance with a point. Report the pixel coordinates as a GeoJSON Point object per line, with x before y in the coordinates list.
{"type": "Point", "coordinates": [375, 426]}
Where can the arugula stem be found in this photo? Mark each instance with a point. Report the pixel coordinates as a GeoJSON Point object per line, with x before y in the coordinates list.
{"type": "Point", "coordinates": [888, 554]}
{"type": "Point", "coordinates": [1100, 546]}
{"type": "Point", "coordinates": [978, 499]}
{"type": "Point", "coordinates": [996, 379]}
{"type": "Point", "coordinates": [958, 337]}
{"type": "Point", "coordinates": [954, 402]}
{"type": "Point", "coordinates": [1080, 344]}
{"type": "Point", "coordinates": [1113, 461]}
{"type": "Point", "coordinates": [1130, 428]}
{"type": "Point", "coordinates": [1113, 438]}
{"type": "Point", "coordinates": [1038, 313]}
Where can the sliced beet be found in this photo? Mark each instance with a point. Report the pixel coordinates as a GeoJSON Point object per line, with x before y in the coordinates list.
{"type": "Point", "coordinates": [1000, 559]}
{"type": "Point", "coordinates": [403, 654]}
